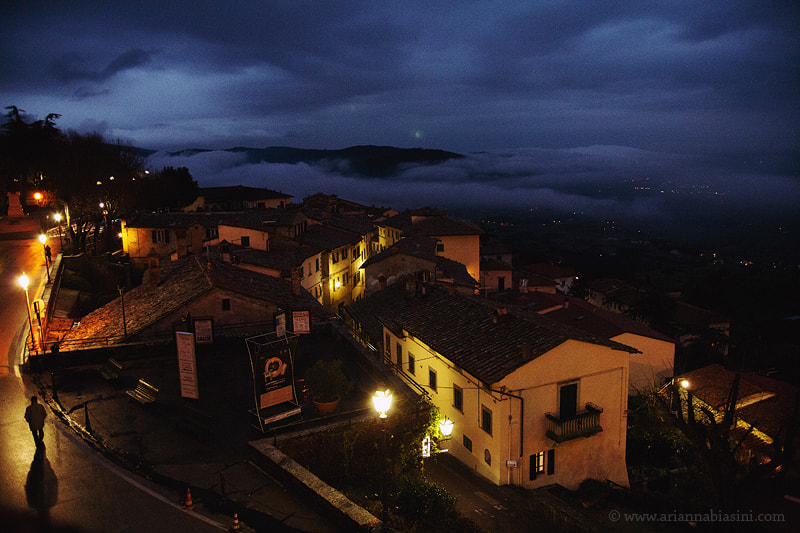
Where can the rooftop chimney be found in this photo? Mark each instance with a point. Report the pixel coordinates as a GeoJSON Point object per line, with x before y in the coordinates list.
{"type": "Point", "coordinates": [296, 282]}
{"type": "Point", "coordinates": [526, 352]}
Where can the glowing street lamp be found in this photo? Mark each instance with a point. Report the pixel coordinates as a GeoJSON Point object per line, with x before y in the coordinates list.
{"type": "Point", "coordinates": [446, 428]}
{"type": "Point", "coordinates": [23, 282]}
{"type": "Point", "coordinates": [57, 218]}
{"type": "Point", "coordinates": [46, 252]}
{"type": "Point", "coordinates": [685, 383]}
{"type": "Point", "coordinates": [382, 400]}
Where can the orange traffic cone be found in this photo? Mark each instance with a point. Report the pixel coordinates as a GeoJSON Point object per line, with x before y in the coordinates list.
{"type": "Point", "coordinates": [235, 526]}
{"type": "Point", "coordinates": [188, 504]}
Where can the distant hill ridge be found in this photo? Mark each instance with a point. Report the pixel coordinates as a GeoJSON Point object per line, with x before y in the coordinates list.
{"type": "Point", "coordinates": [368, 160]}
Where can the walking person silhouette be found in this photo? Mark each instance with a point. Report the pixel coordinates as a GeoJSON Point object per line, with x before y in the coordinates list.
{"type": "Point", "coordinates": [35, 415]}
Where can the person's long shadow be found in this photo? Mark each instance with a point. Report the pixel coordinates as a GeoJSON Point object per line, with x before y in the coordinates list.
{"type": "Point", "coordinates": [41, 487]}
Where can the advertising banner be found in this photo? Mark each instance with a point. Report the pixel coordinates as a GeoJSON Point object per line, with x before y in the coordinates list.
{"type": "Point", "coordinates": [187, 365]}
{"type": "Point", "coordinates": [272, 364]}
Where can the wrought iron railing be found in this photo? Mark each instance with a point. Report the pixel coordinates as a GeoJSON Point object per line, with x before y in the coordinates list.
{"type": "Point", "coordinates": [583, 424]}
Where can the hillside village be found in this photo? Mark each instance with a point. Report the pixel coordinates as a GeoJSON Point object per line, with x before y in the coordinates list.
{"type": "Point", "coordinates": [538, 382]}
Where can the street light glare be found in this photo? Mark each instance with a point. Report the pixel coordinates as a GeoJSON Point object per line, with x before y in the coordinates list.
{"type": "Point", "coordinates": [382, 401]}
{"type": "Point", "coordinates": [23, 281]}
{"type": "Point", "coordinates": [42, 238]}
{"type": "Point", "coordinates": [446, 427]}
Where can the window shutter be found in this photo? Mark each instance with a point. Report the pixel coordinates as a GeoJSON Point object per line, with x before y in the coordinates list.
{"type": "Point", "coordinates": [532, 467]}
{"type": "Point", "coordinates": [551, 462]}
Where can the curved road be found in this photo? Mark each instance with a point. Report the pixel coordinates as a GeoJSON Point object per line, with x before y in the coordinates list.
{"type": "Point", "coordinates": [64, 486]}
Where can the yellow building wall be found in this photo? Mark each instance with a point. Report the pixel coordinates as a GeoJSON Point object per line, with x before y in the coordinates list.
{"type": "Point", "coordinates": [651, 368]}
{"type": "Point", "coordinates": [232, 234]}
{"type": "Point", "coordinates": [602, 375]}
{"type": "Point", "coordinates": [465, 249]}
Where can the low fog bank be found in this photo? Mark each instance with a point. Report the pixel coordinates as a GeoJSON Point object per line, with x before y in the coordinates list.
{"type": "Point", "coordinates": [672, 195]}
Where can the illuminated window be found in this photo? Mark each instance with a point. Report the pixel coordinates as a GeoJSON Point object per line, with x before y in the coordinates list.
{"type": "Point", "coordinates": [542, 462]}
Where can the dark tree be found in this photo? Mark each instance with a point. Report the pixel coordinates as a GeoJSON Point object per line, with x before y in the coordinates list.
{"type": "Point", "coordinates": [169, 188]}
{"type": "Point", "coordinates": [75, 173]}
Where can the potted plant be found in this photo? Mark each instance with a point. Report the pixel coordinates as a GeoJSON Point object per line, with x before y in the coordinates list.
{"type": "Point", "coordinates": [327, 384]}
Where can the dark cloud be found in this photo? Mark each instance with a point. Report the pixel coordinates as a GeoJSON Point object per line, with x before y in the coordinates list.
{"type": "Point", "coordinates": [579, 96]}
{"type": "Point", "coordinates": [71, 67]}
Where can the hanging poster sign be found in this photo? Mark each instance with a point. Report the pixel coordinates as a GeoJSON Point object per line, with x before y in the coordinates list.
{"type": "Point", "coordinates": [280, 324]}
{"type": "Point", "coordinates": [187, 365]}
{"type": "Point", "coordinates": [301, 322]}
{"type": "Point", "coordinates": [203, 331]}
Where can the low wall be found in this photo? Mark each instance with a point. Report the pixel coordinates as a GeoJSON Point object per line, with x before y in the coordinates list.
{"type": "Point", "coordinates": [348, 516]}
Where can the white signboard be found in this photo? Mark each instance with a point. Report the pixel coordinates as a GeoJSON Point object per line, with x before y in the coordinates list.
{"type": "Point", "coordinates": [187, 365]}
{"type": "Point", "coordinates": [301, 322]}
{"type": "Point", "coordinates": [204, 331]}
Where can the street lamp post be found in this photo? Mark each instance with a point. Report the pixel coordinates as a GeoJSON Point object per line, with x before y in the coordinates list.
{"type": "Point", "coordinates": [46, 252]}
{"type": "Point", "coordinates": [382, 400]}
{"type": "Point", "coordinates": [23, 282]}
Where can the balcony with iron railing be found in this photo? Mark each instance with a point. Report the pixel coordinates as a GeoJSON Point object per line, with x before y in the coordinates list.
{"type": "Point", "coordinates": [583, 424]}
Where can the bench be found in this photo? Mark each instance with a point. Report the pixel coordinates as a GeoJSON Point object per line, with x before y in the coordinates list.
{"type": "Point", "coordinates": [111, 369]}
{"type": "Point", "coordinates": [144, 392]}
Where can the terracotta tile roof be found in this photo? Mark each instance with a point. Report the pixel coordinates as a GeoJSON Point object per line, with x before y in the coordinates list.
{"type": "Point", "coordinates": [581, 314]}
{"type": "Point", "coordinates": [177, 220]}
{"type": "Point", "coordinates": [328, 238]}
{"type": "Point", "coordinates": [763, 402]}
{"type": "Point", "coordinates": [281, 255]}
{"type": "Point", "coordinates": [432, 224]}
{"type": "Point", "coordinates": [239, 192]}
{"type": "Point", "coordinates": [181, 282]}
{"type": "Point", "coordinates": [466, 330]}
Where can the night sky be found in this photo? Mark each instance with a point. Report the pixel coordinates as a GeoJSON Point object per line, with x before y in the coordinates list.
{"type": "Point", "coordinates": [554, 102]}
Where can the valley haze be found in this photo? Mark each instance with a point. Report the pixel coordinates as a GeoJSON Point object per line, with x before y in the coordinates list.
{"type": "Point", "coordinates": [691, 198]}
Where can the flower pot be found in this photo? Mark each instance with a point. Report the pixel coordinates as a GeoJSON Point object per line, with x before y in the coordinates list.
{"type": "Point", "coordinates": [326, 407]}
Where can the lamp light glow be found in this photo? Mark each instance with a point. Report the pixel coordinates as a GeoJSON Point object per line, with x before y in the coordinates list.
{"type": "Point", "coordinates": [42, 238]}
{"type": "Point", "coordinates": [382, 400]}
{"type": "Point", "coordinates": [23, 281]}
{"type": "Point", "coordinates": [446, 427]}
{"type": "Point", "coordinates": [685, 383]}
